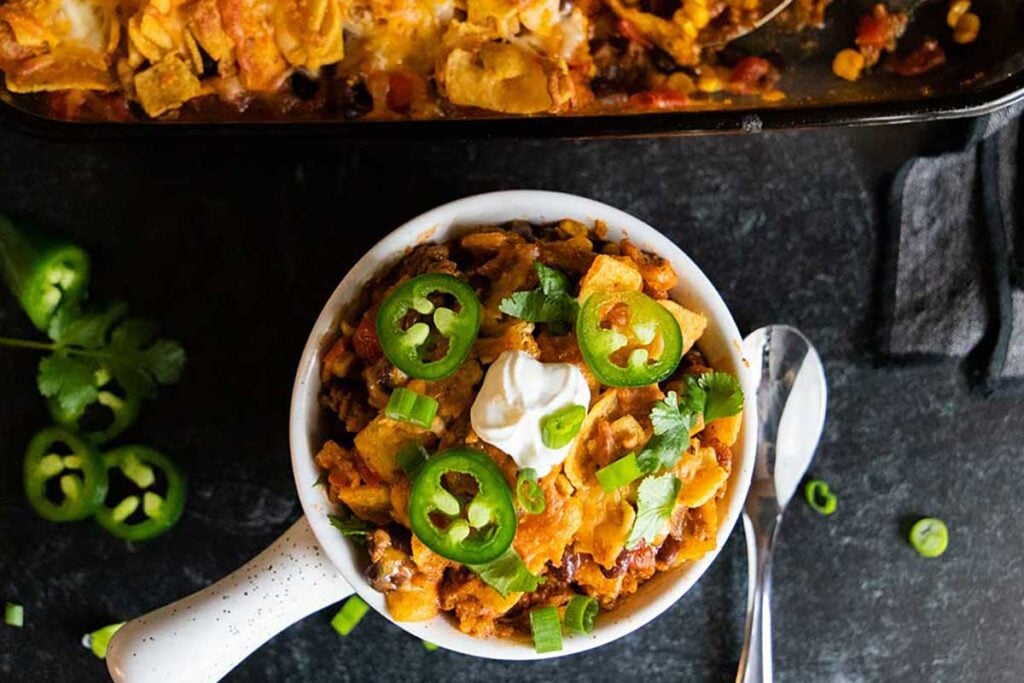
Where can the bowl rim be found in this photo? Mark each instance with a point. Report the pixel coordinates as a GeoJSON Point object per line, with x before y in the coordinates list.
{"type": "Point", "coordinates": [695, 290]}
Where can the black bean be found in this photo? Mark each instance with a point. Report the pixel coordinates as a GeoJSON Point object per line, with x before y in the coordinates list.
{"type": "Point", "coordinates": [354, 99]}
{"type": "Point", "coordinates": [304, 87]}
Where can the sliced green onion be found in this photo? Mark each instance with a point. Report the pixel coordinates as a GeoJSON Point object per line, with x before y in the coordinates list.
{"type": "Point", "coordinates": [558, 429]}
{"type": "Point", "coordinates": [349, 616]}
{"type": "Point", "coordinates": [98, 640]}
{"type": "Point", "coordinates": [819, 497]}
{"type": "Point", "coordinates": [411, 458]}
{"type": "Point", "coordinates": [529, 493]}
{"type": "Point", "coordinates": [547, 629]}
{"type": "Point", "coordinates": [429, 647]}
{"type": "Point", "coordinates": [408, 406]}
{"type": "Point", "coordinates": [619, 473]}
{"type": "Point", "coordinates": [321, 480]}
{"type": "Point", "coordinates": [929, 536]}
{"type": "Point", "coordinates": [580, 613]}
{"type": "Point", "coordinates": [14, 615]}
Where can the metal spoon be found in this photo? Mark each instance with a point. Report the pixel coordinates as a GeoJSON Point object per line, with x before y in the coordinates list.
{"type": "Point", "coordinates": [715, 36]}
{"type": "Point", "coordinates": [791, 398]}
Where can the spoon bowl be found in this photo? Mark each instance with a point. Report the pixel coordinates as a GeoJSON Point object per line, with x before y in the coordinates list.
{"type": "Point", "coordinates": [712, 36]}
{"type": "Point", "coordinates": [791, 399]}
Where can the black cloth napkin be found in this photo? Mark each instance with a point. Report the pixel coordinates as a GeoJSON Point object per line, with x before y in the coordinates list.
{"type": "Point", "coordinates": [954, 282]}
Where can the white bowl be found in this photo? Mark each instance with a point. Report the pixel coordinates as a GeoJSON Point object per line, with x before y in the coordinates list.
{"type": "Point", "coordinates": [297, 556]}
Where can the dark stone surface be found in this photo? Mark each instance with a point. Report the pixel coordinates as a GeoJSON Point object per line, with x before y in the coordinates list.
{"type": "Point", "coordinates": [234, 246]}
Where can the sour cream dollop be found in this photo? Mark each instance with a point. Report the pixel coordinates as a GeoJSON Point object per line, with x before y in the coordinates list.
{"type": "Point", "coordinates": [518, 391]}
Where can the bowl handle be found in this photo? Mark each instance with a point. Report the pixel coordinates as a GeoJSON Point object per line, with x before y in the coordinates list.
{"type": "Point", "coordinates": [204, 636]}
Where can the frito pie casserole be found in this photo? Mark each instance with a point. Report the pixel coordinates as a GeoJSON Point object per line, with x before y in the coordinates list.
{"type": "Point", "coordinates": [526, 429]}
{"type": "Point", "coordinates": [339, 59]}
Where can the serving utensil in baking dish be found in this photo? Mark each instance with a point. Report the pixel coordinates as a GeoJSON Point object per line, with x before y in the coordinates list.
{"type": "Point", "coordinates": [791, 399]}
{"type": "Point", "coordinates": [202, 637]}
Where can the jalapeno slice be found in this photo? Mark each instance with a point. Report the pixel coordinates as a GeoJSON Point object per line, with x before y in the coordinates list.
{"type": "Point", "coordinates": [453, 520]}
{"type": "Point", "coordinates": [116, 410]}
{"type": "Point", "coordinates": [42, 273]}
{"type": "Point", "coordinates": [147, 493]}
{"type": "Point", "coordinates": [628, 339]}
{"type": "Point", "coordinates": [427, 325]}
{"type": "Point", "coordinates": [65, 479]}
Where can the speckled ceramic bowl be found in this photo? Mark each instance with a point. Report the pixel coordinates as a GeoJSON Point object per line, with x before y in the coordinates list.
{"type": "Point", "coordinates": [201, 637]}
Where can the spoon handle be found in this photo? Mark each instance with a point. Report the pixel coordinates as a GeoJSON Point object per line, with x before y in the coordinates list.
{"type": "Point", "coordinates": [756, 658]}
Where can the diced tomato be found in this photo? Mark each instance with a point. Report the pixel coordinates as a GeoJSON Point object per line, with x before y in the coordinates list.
{"type": "Point", "coordinates": [401, 91]}
{"type": "Point", "coordinates": [925, 58]}
{"type": "Point", "coordinates": [628, 29]}
{"type": "Point", "coordinates": [659, 99]}
{"type": "Point", "coordinates": [871, 31]}
{"type": "Point", "coordinates": [332, 355]}
{"type": "Point", "coordinates": [365, 340]}
{"type": "Point", "coordinates": [749, 73]}
{"type": "Point", "coordinates": [879, 29]}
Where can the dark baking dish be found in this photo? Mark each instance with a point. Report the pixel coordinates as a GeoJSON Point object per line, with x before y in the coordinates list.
{"type": "Point", "coordinates": [978, 78]}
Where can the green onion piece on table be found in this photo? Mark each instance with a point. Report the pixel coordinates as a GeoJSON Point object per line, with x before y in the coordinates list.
{"type": "Point", "coordinates": [820, 497]}
{"type": "Point", "coordinates": [558, 429]}
{"type": "Point", "coordinates": [42, 273]}
{"type": "Point", "coordinates": [64, 476]}
{"type": "Point", "coordinates": [429, 647]}
{"type": "Point", "coordinates": [348, 617]}
{"type": "Point", "coordinates": [529, 493]}
{"type": "Point", "coordinates": [580, 613]}
{"type": "Point", "coordinates": [435, 345]}
{"type": "Point", "coordinates": [617, 474]}
{"type": "Point", "coordinates": [154, 495]}
{"type": "Point", "coordinates": [546, 628]}
{"type": "Point", "coordinates": [14, 615]}
{"type": "Point", "coordinates": [98, 640]}
{"type": "Point", "coordinates": [408, 406]}
{"type": "Point", "coordinates": [929, 537]}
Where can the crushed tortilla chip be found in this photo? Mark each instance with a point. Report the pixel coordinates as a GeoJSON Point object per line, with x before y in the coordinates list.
{"type": "Point", "coordinates": [166, 85]}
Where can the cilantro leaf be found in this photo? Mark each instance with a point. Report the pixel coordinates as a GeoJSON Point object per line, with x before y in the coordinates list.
{"type": "Point", "coordinates": [351, 526]}
{"type": "Point", "coordinates": [138, 362]}
{"type": "Point", "coordinates": [724, 395]}
{"type": "Point", "coordinates": [665, 415]}
{"type": "Point", "coordinates": [73, 326]}
{"type": "Point", "coordinates": [552, 282]}
{"type": "Point", "coordinates": [71, 381]}
{"type": "Point", "coordinates": [663, 450]}
{"type": "Point", "coordinates": [694, 398]}
{"type": "Point", "coordinates": [526, 305]}
{"type": "Point", "coordinates": [672, 424]}
{"type": "Point", "coordinates": [507, 574]}
{"type": "Point", "coordinates": [656, 498]}
{"type": "Point", "coordinates": [549, 303]}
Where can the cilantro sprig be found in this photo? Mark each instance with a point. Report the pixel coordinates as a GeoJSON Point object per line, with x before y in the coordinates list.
{"type": "Point", "coordinates": [711, 395]}
{"type": "Point", "coordinates": [351, 526]}
{"type": "Point", "coordinates": [89, 347]}
{"type": "Point", "coordinates": [507, 574]}
{"type": "Point", "coordinates": [656, 498]}
{"type": "Point", "coordinates": [549, 303]}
